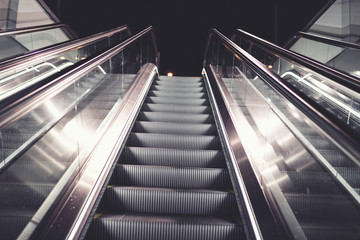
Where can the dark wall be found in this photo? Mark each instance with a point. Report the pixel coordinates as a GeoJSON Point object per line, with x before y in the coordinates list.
{"type": "Point", "coordinates": [182, 25]}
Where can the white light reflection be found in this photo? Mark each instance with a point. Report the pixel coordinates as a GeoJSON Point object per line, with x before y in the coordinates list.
{"type": "Point", "coordinates": [101, 69]}
{"type": "Point", "coordinates": [73, 130]}
{"type": "Point", "coordinates": [323, 93]}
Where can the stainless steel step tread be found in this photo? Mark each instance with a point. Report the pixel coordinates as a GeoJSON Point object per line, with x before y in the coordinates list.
{"type": "Point", "coordinates": [175, 108]}
{"type": "Point", "coordinates": [174, 141]}
{"type": "Point", "coordinates": [175, 117]}
{"type": "Point", "coordinates": [171, 177]}
{"type": "Point", "coordinates": [173, 157]}
{"type": "Point", "coordinates": [175, 88]}
{"type": "Point", "coordinates": [177, 101]}
{"type": "Point", "coordinates": [175, 128]}
{"type": "Point", "coordinates": [175, 94]}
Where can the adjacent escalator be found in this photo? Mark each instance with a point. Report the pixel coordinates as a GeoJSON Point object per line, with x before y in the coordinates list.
{"type": "Point", "coordinates": [171, 180]}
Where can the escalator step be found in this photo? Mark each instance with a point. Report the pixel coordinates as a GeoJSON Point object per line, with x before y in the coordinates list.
{"type": "Point", "coordinates": [175, 128]}
{"type": "Point", "coordinates": [35, 171]}
{"type": "Point", "coordinates": [174, 141]}
{"type": "Point", "coordinates": [171, 177]}
{"type": "Point", "coordinates": [169, 201]}
{"type": "Point", "coordinates": [178, 101]}
{"type": "Point", "coordinates": [174, 108]}
{"type": "Point", "coordinates": [173, 157]}
{"type": "Point", "coordinates": [174, 88]}
{"type": "Point", "coordinates": [175, 94]}
{"type": "Point", "coordinates": [175, 117]}
{"type": "Point", "coordinates": [180, 79]}
{"type": "Point", "coordinates": [26, 195]}
{"type": "Point", "coordinates": [178, 84]}
{"type": "Point", "coordinates": [150, 227]}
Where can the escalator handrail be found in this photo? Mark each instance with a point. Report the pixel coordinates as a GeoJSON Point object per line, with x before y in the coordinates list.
{"type": "Point", "coordinates": [322, 117]}
{"type": "Point", "coordinates": [25, 59]}
{"type": "Point", "coordinates": [11, 112]}
{"type": "Point", "coordinates": [327, 40]}
{"type": "Point", "coordinates": [18, 31]}
{"type": "Point", "coordinates": [337, 76]}
{"type": "Point", "coordinates": [296, 97]}
{"type": "Point", "coordinates": [62, 82]}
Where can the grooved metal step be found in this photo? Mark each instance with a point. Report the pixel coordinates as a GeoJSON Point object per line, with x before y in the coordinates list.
{"type": "Point", "coordinates": [173, 157]}
{"type": "Point", "coordinates": [175, 117]}
{"type": "Point", "coordinates": [175, 108]}
{"type": "Point", "coordinates": [169, 201]}
{"type": "Point", "coordinates": [176, 94]}
{"type": "Point", "coordinates": [159, 227]}
{"type": "Point", "coordinates": [179, 84]}
{"type": "Point", "coordinates": [174, 141]}
{"type": "Point", "coordinates": [178, 101]}
{"type": "Point", "coordinates": [171, 177]}
{"type": "Point", "coordinates": [174, 88]}
{"type": "Point", "coordinates": [175, 128]}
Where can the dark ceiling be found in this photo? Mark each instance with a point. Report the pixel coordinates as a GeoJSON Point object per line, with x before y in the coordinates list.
{"type": "Point", "coordinates": [182, 25]}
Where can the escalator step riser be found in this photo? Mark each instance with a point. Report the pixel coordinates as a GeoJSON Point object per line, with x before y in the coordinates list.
{"type": "Point", "coordinates": [175, 128]}
{"type": "Point", "coordinates": [171, 177]}
{"type": "Point", "coordinates": [166, 88]}
{"type": "Point", "coordinates": [179, 101]}
{"type": "Point", "coordinates": [180, 79]}
{"type": "Point", "coordinates": [175, 117]}
{"type": "Point", "coordinates": [177, 94]}
{"type": "Point", "coordinates": [179, 85]}
{"type": "Point", "coordinates": [120, 227]}
{"type": "Point", "coordinates": [174, 141]}
{"type": "Point", "coordinates": [169, 201]}
{"type": "Point", "coordinates": [173, 157]}
{"type": "Point", "coordinates": [172, 108]}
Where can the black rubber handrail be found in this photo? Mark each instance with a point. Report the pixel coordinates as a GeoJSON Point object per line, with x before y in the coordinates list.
{"type": "Point", "coordinates": [340, 77]}
{"type": "Point", "coordinates": [25, 59]}
{"type": "Point", "coordinates": [327, 40]}
{"type": "Point", "coordinates": [31, 29]}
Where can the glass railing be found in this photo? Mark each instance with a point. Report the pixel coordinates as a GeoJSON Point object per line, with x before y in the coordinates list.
{"type": "Point", "coordinates": [343, 56]}
{"type": "Point", "coordinates": [47, 137]}
{"type": "Point", "coordinates": [35, 67]}
{"type": "Point", "coordinates": [308, 177]}
{"type": "Point", "coordinates": [20, 41]}
{"type": "Point", "coordinates": [334, 93]}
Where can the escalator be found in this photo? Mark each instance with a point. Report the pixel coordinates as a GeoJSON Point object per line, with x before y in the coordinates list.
{"type": "Point", "coordinates": [171, 180]}
{"type": "Point", "coordinates": [310, 181]}
{"type": "Point", "coordinates": [111, 150]}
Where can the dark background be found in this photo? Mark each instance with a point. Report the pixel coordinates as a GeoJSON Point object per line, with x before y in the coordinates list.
{"type": "Point", "coordinates": [182, 25]}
